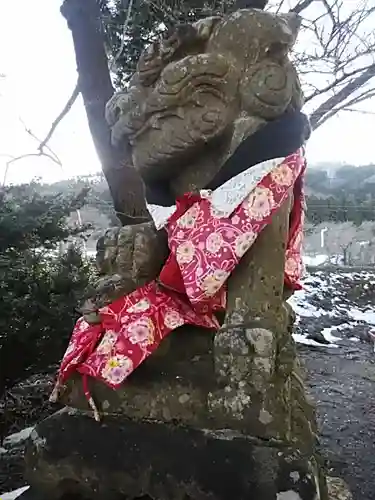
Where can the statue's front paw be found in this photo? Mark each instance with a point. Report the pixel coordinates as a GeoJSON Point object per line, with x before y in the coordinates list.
{"type": "Point", "coordinates": [127, 257]}
{"type": "Point", "coordinates": [135, 252]}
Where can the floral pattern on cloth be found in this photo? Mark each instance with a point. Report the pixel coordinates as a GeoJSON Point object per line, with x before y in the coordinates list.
{"type": "Point", "coordinates": [131, 328]}
{"type": "Point", "coordinates": [294, 267]}
{"type": "Point", "coordinates": [205, 248]}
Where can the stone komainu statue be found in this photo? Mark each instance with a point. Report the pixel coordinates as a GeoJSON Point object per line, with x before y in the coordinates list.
{"type": "Point", "coordinates": [189, 321]}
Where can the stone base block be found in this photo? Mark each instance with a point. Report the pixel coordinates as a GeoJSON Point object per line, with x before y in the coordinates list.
{"type": "Point", "coordinates": [72, 456]}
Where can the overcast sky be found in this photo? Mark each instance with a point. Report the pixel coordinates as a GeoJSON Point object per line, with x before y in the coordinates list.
{"type": "Point", "coordinates": [37, 58]}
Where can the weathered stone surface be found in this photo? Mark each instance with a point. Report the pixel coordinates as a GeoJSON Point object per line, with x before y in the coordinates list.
{"type": "Point", "coordinates": [172, 385]}
{"type": "Point", "coordinates": [252, 368]}
{"type": "Point", "coordinates": [196, 96]}
{"type": "Point", "coordinates": [338, 489]}
{"type": "Point", "coordinates": [127, 257]}
{"type": "Point", "coordinates": [145, 459]}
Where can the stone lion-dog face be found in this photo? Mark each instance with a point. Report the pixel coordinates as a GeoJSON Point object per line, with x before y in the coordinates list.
{"type": "Point", "coordinates": [203, 89]}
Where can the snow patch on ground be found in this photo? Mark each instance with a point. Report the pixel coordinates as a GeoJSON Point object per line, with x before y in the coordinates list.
{"type": "Point", "coordinates": [318, 260]}
{"type": "Point", "coordinates": [17, 438]}
{"type": "Point", "coordinates": [327, 334]}
{"type": "Point", "coordinates": [327, 307]}
{"type": "Point", "coordinates": [368, 316]}
{"type": "Point", "coordinates": [12, 495]}
{"type": "Point", "coordinates": [301, 339]}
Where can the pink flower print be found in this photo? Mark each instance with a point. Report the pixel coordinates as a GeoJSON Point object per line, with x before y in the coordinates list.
{"type": "Point", "coordinates": [141, 306]}
{"type": "Point", "coordinates": [213, 282]}
{"type": "Point", "coordinates": [106, 344]}
{"type": "Point", "coordinates": [172, 319]}
{"type": "Point", "coordinates": [214, 242]}
{"type": "Point", "coordinates": [71, 348]}
{"type": "Point", "coordinates": [82, 325]}
{"type": "Point", "coordinates": [299, 240]}
{"type": "Point", "coordinates": [199, 271]}
{"type": "Point", "coordinates": [189, 218]}
{"type": "Point", "coordinates": [282, 175]}
{"type": "Point", "coordinates": [243, 243]}
{"type": "Point", "coordinates": [117, 369]}
{"type": "Point", "coordinates": [140, 332]}
{"type": "Point", "coordinates": [185, 252]}
{"type": "Point", "coordinates": [293, 266]}
{"type": "Point", "coordinates": [259, 203]}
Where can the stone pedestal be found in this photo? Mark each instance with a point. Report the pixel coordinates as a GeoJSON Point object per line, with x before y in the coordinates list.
{"type": "Point", "coordinates": [140, 459]}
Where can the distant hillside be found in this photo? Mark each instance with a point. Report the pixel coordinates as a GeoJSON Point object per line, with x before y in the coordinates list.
{"type": "Point", "coordinates": [346, 193]}
{"type": "Point", "coordinates": [345, 178]}
{"type": "Point", "coordinates": [337, 193]}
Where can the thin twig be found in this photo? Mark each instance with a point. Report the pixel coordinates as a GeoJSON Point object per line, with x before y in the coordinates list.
{"type": "Point", "coordinates": [28, 155]}
{"type": "Point", "coordinates": [123, 41]}
{"type": "Point", "coordinates": [31, 134]}
{"type": "Point", "coordinates": [335, 83]}
{"type": "Point", "coordinates": [281, 5]}
{"type": "Point", "coordinates": [297, 9]}
{"type": "Point", "coordinates": [65, 111]}
{"type": "Point", "coordinates": [360, 111]}
{"type": "Point", "coordinates": [317, 117]}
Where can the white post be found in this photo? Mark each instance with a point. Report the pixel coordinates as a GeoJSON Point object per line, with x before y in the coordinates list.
{"type": "Point", "coordinates": [80, 225]}
{"type": "Point", "coordinates": [322, 239]}
{"type": "Point", "coordinates": [79, 217]}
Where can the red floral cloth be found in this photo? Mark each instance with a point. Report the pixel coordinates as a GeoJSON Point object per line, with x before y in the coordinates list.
{"type": "Point", "coordinates": [133, 328]}
{"type": "Point", "coordinates": [205, 248]}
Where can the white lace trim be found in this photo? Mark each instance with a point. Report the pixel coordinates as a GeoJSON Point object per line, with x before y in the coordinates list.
{"type": "Point", "coordinates": [160, 215]}
{"type": "Point", "coordinates": [226, 198]}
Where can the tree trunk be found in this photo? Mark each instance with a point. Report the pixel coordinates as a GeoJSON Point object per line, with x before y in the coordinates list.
{"type": "Point", "coordinates": [83, 18]}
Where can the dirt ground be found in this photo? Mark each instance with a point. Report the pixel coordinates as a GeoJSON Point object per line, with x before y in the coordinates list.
{"type": "Point", "coordinates": [342, 382]}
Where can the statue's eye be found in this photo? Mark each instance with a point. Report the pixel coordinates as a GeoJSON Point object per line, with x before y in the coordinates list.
{"type": "Point", "coordinates": [277, 50]}
{"type": "Point", "coordinates": [116, 113]}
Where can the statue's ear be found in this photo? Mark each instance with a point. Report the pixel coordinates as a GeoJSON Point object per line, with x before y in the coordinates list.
{"type": "Point", "coordinates": [251, 4]}
{"type": "Point", "coordinates": [307, 127]}
{"type": "Point", "coordinates": [293, 22]}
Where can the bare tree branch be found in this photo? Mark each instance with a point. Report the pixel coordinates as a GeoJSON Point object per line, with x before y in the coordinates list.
{"type": "Point", "coordinates": [123, 41]}
{"type": "Point", "coordinates": [301, 6]}
{"type": "Point", "coordinates": [68, 106]}
{"type": "Point", "coordinates": [347, 106]}
{"type": "Point", "coordinates": [31, 134]}
{"type": "Point", "coordinates": [41, 152]}
{"type": "Point", "coordinates": [360, 111]}
{"type": "Point", "coordinates": [28, 155]}
{"type": "Point", "coordinates": [280, 6]}
{"type": "Point", "coordinates": [335, 83]}
{"type": "Point", "coordinates": [316, 118]}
